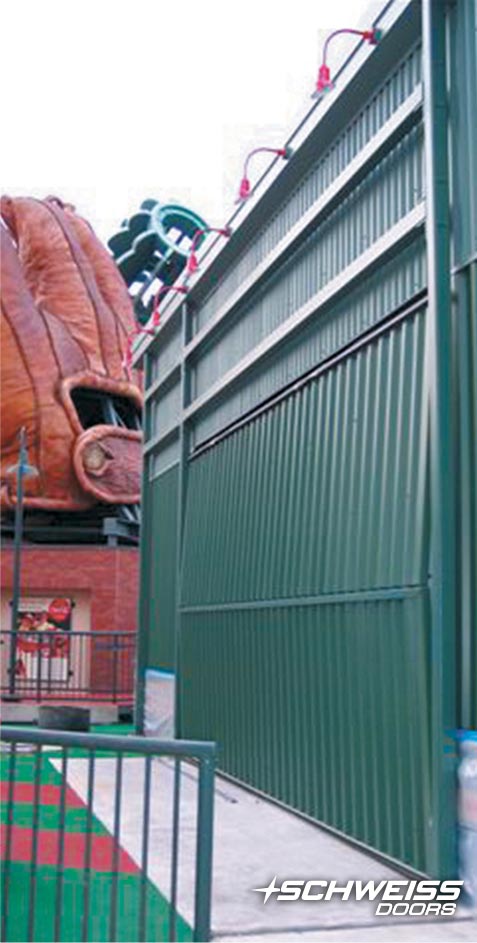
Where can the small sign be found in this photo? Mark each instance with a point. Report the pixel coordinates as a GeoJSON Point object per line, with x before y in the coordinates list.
{"type": "Point", "coordinates": [38, 651]}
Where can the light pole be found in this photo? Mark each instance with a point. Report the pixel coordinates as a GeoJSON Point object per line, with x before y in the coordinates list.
{"type": "Point", "coordinates": [21, 470]}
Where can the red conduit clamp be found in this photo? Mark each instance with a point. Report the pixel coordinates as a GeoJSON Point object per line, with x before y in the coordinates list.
{"type": "Point", "coordinates": [139, 329]}
{"type": "Point", "coordinates": [192, 263]}
{"type": "Point", "coordinates": [245, 188]}
{"type": "Point", "coordinates": [156, 314]}
{"type": "Point", "coordinates": [324, 82]}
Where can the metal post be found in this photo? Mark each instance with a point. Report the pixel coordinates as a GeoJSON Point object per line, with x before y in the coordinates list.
{"type": "Point", "coordinates": [205, 839]}
{"type": "Point", "coordinates": [115, 668]}
{"type": "Point", "coordinates": [181, 504]}
{"type": "Point", "coordinates": [143, 636]}
{"type": "Point", "coordinates": [176, 808]}
{"type": "Point", "coordinates": [17, 564]}
{"type": "Point", "coordinates": [442, 860]}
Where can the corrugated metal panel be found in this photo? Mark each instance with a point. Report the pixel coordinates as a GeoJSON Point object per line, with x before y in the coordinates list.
{"type": "Point", "coordinates": [463, 141]}
{"type": "Point", "coordinates": [306, 560]}
{"type": "Point", "coordinates": [289, 696]}
{"type": "Point", "coordinates": [388, 193]}
{"type": "Point", "coordinates": [388, 289]}
{"type": "Point", "coordinates": [159, 576]}
{"type": "Point", "coordinates": [306, 627]}
{"type": "Point", "coordinates": [463, 137]}
{"type": "Point", "coordinates": [161, 460]}
{"type": "Point", "coordinates": [372, 117]}
{"type": "Point", "coordinates": [164, 356]}
{"type": "Point", "coordinates": [164, 411]}
{"type": "Point", "coordinates": [466, 422]}
{"type": "Point", "coordinates": [293, 495]}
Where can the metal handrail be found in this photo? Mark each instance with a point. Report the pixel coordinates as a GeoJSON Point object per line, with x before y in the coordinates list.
{"type": "Point", "coordinates": [202, 752]}
{"type": "Point", "coordinates": [80, 663]}
{"type": "Point", "coordinates": [192, 749]}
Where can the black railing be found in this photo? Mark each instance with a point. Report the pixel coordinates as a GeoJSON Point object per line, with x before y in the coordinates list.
{"type": "Point", "coordinates": [92, 837]}
{"type": "Point", "coordinates": [74, 665]}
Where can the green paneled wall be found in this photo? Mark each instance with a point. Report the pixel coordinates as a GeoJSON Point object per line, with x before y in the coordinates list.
{"type": "Point", "coordinates": [321, 706]}
{"type": "Point", "coordinates": [308, 646]}
{"type": "Point", "coordinates": [304, 618]}
{"type": "Point", "coordinates": [159, 572]}
{"type": "Point", "coordinates": [323, 493]}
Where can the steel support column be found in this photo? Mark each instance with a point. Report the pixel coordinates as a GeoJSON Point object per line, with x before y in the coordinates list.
{"type": "Point", "coordinates": [143, 629]}
{"type": "Point", "coordinates": [16, 568]}
{"type": "Point", "coordinates": [181, 504]}
{"type": "Point", "coordinates": [441, 855]}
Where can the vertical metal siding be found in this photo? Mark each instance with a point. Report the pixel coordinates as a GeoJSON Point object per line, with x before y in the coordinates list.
{"type": "Point", "coordinates": [164, 410]}
{"type": "Point", "coordinates": [163, 459]}
{"type": "Point", "coordinates": [373, 116]}
{"type": "Point", "coordinates": [465, 326]}
{"type": "Point", "coordinates": [298, 714]}
{"type": "Point", "coordinates": [162, 358]}
{"type": "Point", "coordinates": [389, 192]}
{"type": "Point", "coordinates": [306, 562]}
{"type": "Point", "coordinates": [159, 588]}
{"type": "Point", "coordinates": [370, 396]}
{"type": "Point", "coordinates": [306, 629]}
{"type": "Point", "coordinates": [463, 138]}
{"type": "Point", "coordinates": [395, 283]}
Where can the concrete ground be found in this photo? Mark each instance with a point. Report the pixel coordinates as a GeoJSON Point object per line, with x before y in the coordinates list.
{"type": "Point", "coordinates": [254, 841]}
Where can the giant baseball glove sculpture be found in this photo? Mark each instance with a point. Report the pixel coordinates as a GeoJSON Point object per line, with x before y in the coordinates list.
{"type": "Point", "coordinates": [66, 314]}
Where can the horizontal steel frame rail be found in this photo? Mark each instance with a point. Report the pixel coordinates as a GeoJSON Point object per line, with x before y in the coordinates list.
{"type": "Point", "coordinates": [328, 599]}
{"type": "Point", "coordinates": [394, 239]}
{"type": "Point", "coordinates": [403, 119]}
{"type": "Point", "coordinates": [410, 308]}
{"type": "Point", "coordinates": [168, 435]}
{"type": "Point", "coordinates": [203, 753]}
{"type": "Point", "coordinates": [159, 441]}
{"type": "Point", "coordinates": [163, 382]}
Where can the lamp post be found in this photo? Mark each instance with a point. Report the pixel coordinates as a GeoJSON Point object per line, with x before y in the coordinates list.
{"type": "Point", "coordinates": [21, 470]}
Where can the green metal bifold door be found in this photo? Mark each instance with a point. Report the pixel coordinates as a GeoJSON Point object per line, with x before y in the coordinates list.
{"type": "Point", "coordinates": [305, 610]}
{"type": "Point", "coordinates": [309, 544]}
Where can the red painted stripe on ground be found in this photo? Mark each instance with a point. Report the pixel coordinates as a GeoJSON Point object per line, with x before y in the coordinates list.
{"type": "Point", "coordinates": [49, 795]}
{"type": "Point", "coordinates": [102, 847]}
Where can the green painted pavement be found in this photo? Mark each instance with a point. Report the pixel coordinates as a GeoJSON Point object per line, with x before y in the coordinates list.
{"type": "Point", "coordinates": [72, 900]}
{"type": "Point", "coordinates": [129, 886]}
{"type": "Point", "coordinates": [25, 769]}
{"type": "Point", "coordinates": [49, 817]}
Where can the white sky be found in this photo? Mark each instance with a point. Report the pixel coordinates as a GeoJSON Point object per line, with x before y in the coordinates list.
{"type": "Point", "coordinates": [107, 102]}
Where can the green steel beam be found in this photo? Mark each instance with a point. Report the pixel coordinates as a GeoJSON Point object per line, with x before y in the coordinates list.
{"type": "Point", "coordinates": [184, 448]}
{"type": "Point", "coordinates": [463, 140]}
{"type": "Point", "coordinates": [144, 628]}
{"type": "Point", "coordinates": [442, 852]}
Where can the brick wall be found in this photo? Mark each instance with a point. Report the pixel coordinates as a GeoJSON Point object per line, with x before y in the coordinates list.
{"type": "Point", "coordinates": [107, 576]}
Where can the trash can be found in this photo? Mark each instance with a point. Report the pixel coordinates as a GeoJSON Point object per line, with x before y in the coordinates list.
{"type": "Point", "coordinates": [64, 717]}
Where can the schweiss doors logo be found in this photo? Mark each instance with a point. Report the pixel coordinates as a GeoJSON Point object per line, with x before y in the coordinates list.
{"type": "Point", "coordinates": [396, 898]}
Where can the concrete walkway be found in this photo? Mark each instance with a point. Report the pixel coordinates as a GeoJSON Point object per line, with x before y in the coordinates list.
{"type": "Point", "coordinates": [254, 841]}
